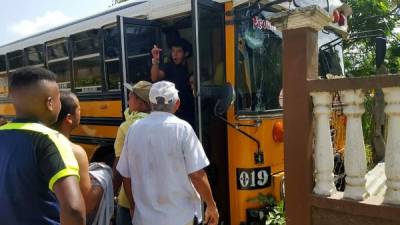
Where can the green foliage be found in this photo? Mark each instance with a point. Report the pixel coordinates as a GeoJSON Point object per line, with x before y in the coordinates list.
{"type": "Point", "coordinates": [370, 157]}
{"type": "Point", "coordinates": [372, 15]}
{"type": "Point", "coordinates": [276, 215]}
{"type": "Point", "coordinates": [367, 119]}
{"type": "Point", "coordinates": [263, 199]}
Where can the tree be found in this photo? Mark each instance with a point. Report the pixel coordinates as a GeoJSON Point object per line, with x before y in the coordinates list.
{"type": "Point", "coordinates": [360, 60]}
{"type": "Point", "coordinates": [372, 15]}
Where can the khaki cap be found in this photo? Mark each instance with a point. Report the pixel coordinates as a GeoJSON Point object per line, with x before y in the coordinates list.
{"type": "Point", "coordinates": [141, 89]}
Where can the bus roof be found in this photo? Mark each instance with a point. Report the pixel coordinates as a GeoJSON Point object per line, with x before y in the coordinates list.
{"type": "Point", "coordinates": [150, 9]}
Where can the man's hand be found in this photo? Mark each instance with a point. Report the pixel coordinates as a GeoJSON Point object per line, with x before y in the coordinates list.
{"type": "Point", "coordinates": [155, 52]}
{"type": "Point", "coordinates": [211, 215]}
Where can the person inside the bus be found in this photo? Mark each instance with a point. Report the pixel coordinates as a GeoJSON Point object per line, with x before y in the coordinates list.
{"type": "Point", "coordinates": [39, 175]}
{"type": "Point", "coordinates": [176, 71]}
{"type": "Point", "coordinates": [3, 120]}
{"type": "Point", "coordinates": [67, 121]}
{"type": "Point", "coordinates": [138, 108]}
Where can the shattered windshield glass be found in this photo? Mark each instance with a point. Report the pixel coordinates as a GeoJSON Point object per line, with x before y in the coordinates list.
{"type": "Point", "coordinates": [258, 65]}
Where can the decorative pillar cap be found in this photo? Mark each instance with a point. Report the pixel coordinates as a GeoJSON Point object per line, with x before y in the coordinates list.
{"type": "Point", "coordinates": [311, 16]}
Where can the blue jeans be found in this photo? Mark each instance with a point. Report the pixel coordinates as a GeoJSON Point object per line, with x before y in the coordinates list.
{"type": "Point", "coordinates": [123, 216]}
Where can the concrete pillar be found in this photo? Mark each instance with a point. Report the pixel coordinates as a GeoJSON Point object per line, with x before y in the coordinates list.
{"type": "Point", "coordinates": [355, 159]}
{"type": "Point", "coordinates": [392, 154]}
{"type": "Point", "coordinates": [323, 149]}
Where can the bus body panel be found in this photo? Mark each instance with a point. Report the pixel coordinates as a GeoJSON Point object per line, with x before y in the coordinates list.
{"type": "Point", "coordinates": [108, 108]}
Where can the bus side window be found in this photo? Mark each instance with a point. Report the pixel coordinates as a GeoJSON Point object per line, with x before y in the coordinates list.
{"type": "Point", "coordinates": [111, 58]}
{"type": "Point", "coordinates": [3, 77]}
{"type": "Point", "coordinates": [15, 60]}
{"type": "Point", "coordinates": [34, 55]}
{"type": "Point", "coordinates": [58, 62]}
{"type": "Point", "coordinates": [87, 62]}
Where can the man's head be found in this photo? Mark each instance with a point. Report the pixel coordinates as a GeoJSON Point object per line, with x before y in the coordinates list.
{"type": "Point", "coordinates": [35, 95]}
{"type": "Point", "coordinates": [70, 114]}
{"type": "Point", "coordinates": [138, 98]}
{"type": "Point", "coordinates": [180, 50]}
{"type": "Point", "coordinates": [3, 120]}
{"type": "Point", "coordinates": [164, 97]}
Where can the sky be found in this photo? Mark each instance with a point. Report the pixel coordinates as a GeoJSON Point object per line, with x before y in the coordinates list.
{"type": "Point", "coordinates": [21, 18]}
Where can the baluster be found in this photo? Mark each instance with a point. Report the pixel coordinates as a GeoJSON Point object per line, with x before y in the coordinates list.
{"type": "Point", "coordinates": [355, 159]}
{"type": "Point", "coordinates": [392, 154]}
{"type": "Point", "coordinates": [323, 150]}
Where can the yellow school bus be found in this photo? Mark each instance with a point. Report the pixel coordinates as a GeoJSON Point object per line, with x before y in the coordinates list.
{"type": "Point", "coordinates": [234, 45]}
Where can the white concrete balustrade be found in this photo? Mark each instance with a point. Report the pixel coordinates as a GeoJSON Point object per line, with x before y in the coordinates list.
{"type": "Point", "coordinates": [323, 150]}
{"type": "Point", "coordinates": [392, 154]}
{"type": "Point", "coordinates": [355, 159]}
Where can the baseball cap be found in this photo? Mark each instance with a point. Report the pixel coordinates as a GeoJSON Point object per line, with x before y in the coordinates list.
{"type": "Point", "coordinates": [141, 89]}
{"type": "Point", "coordinates": [165, 90]}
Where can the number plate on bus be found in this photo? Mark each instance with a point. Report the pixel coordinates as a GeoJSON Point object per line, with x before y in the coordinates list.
{"type": "Point", "coordinates": [254, 178]}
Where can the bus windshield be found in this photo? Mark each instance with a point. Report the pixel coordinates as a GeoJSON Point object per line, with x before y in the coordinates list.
{"type": "Point", "coordinates": [258, 66]}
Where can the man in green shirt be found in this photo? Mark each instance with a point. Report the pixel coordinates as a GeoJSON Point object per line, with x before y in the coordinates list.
{"type": "Point", "coordinates": [139, 107]}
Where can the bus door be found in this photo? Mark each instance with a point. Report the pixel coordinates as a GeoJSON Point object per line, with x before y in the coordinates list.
{"type": "Point", "coordinates": [137, 39]}
{"type": "Point", "coordinates": [209, 70]}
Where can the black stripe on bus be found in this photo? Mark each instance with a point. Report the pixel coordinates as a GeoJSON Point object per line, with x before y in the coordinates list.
{"type": "Point", "coordinates": [99, 96]}
{"type": "Point", "coordinates": [91, 140]}
{"type": "Point", "coordinates": [102, 121]}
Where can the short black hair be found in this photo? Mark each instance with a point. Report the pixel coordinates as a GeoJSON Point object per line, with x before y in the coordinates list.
{"type": "Point", "coordinates": [68, 106]}
{"type": "Point", "coordinates": [182, 43]}
{"type": "Point", "coordinates": [27, 76]}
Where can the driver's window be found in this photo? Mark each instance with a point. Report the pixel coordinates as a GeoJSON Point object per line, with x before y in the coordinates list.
{"type": "Point", "coordinates": [258, 65]}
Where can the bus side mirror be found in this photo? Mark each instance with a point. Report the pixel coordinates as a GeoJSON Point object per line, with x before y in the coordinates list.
{"type": "Point", "coordinates": [380, 51]}
{"type": "Point", "coordinates": [223, 95]}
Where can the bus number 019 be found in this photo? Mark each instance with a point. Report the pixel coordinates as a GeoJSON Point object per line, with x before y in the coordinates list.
{"type": "Point", "coordinates": [256, 178]}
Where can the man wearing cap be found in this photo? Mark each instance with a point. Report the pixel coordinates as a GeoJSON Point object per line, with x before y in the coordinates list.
{"type": "Point", "coordinates": [176, 71]}
{"type": "Point", "coordinates": [139, 106]}
{"type": "Point", "coordinates": [163, 165]}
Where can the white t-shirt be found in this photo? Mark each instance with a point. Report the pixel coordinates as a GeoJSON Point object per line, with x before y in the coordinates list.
{"type": "Point", "coordinates": [159, 153]}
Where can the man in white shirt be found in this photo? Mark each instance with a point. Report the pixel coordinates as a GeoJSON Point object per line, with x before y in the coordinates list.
{"type": "Point", "coordinates": [162, 164]}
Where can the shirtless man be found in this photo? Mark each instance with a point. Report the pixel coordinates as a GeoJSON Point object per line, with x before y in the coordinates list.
{"type": "Point", "coordinates": [68, 120]}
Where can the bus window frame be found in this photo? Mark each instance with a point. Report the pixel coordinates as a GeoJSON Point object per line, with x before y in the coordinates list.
{"type": "Point", "coordinates": [99, 53]}
{"type": "Point", "coordinates": [60, 59]}
{"type": "Point", "coordinates": [5, 63]}
{"type": "Point", "coordinates": [105, 60]}
{"type": "Point", "coordinates": [8, 60]}
{"type": "Point", "coordinates": [26, 55]}
{"type": "Point", "coordinates": [249, 115]}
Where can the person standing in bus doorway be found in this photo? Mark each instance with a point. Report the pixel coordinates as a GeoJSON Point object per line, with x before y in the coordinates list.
{"type": "Point", "coordinates": [139, 107]}
{"type": "Point", "coordinates": [163, 165]}
{"type": "Point", "coordinates": [176, 71]}
{"type": "Point", "coordinates": [38, 171]}
{"type": "Point", "coordinates": [69, 119]}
